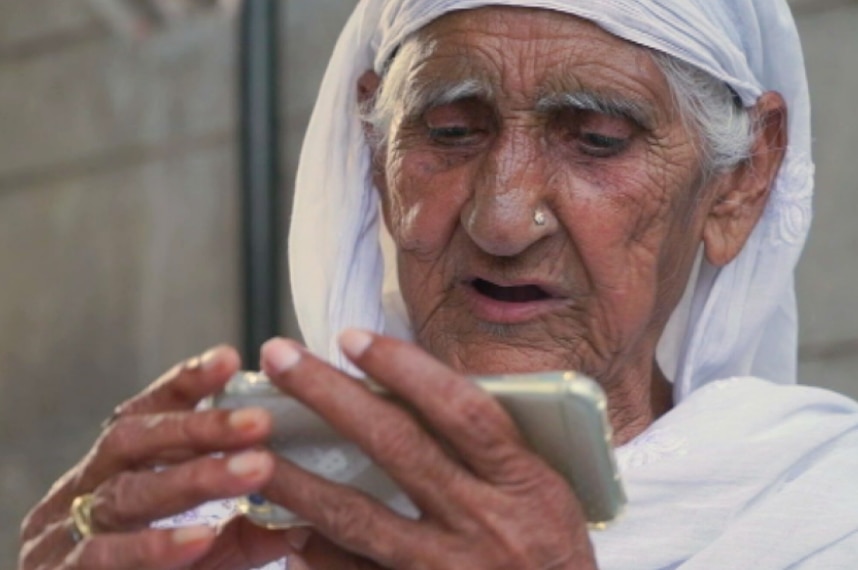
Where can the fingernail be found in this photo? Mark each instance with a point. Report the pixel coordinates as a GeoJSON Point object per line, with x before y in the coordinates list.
{"type": "Point", "coordinates": [208, 358]}
{"type": "Point", "coordinates": [280, 355]}
{"type": "Point", "coordinates": [297, 537]}
{"type": "Point", "coordinates": [189, 534]}
{"type": "Point", "coordinates": [247, 464]}
{"type": "Point", "coordinates": [295, 562]}
{"type": "Point", "coordinates": [354, 342]}
{"type": "Point", "coordinates": [249, 420]}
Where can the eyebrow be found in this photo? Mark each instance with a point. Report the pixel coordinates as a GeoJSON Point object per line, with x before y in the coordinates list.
{"type": "Point", "coordinates": [638, 112]}
{"type": "Point", "coordinates": [420, 98]}
{"type": "Point", "coordinates": [433, 94]}
{"type": "Point", "coordinates": [461, 80]}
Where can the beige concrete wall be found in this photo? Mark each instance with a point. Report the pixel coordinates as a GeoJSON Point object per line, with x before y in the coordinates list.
{"type": "Point", "coordinates": [117, 227]}
{"type": "Point", "coordinates": [828, 271]}
{"type": "Point", "coordinates": [118, 216]}
{"type": "Point", "coordinates": [118, 213]}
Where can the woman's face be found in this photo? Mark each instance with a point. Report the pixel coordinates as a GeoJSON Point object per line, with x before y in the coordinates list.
{"type": "Point", "coordinates": [543, 194]}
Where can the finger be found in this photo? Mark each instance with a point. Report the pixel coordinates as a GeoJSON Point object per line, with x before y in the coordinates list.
{"type": "Point", "coordinates": [184, 385]}
{"type": "Point", "coordinates": [136, 441]}
{"type": "Point", "coordinates": [144, 441]}
{"type": "Point", "coordinates": [145, 550]}
{"type": "Point", "coordinates": [470, 419]}
{"type": "Point", "coordinates": [179, 389]}
{"type": "Point", "coordinates": [320, 553]}
{"type": "Point", "coordinates": [132, 500]}
{"type": "Point", "coordinates": [390, 436]}
{"type": "Point", "coordinates": [298, 563]}
{"type": "Point", "coordinates": [346, 516]}
{"type": "Point", "coordinates": [242, 545]}
{"type": "Point", "coordinates": [47, 549]}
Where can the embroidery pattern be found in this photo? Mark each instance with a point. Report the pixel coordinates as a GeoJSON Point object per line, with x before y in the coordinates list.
{"type": "Point", "coordinates": [651, 447]}
{"type": "Point", "coordinates": [788, 214]}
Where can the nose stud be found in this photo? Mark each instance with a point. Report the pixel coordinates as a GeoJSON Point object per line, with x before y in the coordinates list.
{"type": "Point", "coordinates": [539, 217]}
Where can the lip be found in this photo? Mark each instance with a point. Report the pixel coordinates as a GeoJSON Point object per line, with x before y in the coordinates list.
{"type": "Point", "coordinates": [503, 312]}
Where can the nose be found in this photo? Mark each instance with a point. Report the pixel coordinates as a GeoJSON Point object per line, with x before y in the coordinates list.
{"type": "Point", "coordinates": [510, 206]}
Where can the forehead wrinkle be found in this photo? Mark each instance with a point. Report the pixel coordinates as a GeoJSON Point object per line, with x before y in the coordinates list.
{"type": "Point", "coordinates": [498, 37]}
{"type": "Point", "coordinates": [578, 74]}
{"type": "Point", "coordinates": [477, 56]}
{"type": "Point", "coordinates": [437, 78]}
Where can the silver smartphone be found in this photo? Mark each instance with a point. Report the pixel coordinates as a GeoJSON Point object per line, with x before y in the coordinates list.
{"type": "Point", "coordinates": [561, 415]}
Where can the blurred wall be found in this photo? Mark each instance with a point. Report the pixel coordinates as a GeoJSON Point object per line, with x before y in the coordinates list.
{"type": "Point", "coordinates": [117, 225]}
{"type": "Point", "coordinates": [118, 213]}
{"type": "Point", "coordinates": [828, 271]}
{"type": "Point", "coordinates": [118, 216]}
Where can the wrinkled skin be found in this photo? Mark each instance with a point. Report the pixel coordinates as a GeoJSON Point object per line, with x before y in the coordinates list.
{"type": "Point", "coordinates": [626, 204]}
{"type": "Point", "coordinates": [159, 427]}
{"type": "Point", "coordinates": [615, 249]}
{"type": "Point", "coordinates": [625, 208]}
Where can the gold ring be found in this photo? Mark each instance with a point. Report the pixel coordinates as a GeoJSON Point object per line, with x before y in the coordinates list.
{"type": "Point", "coordinates": [81, 516]}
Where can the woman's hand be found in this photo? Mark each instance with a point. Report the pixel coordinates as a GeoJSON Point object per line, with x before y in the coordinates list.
{"type": "Point", "coordinates": [159, 427]}
{"type": "Point", "coordinates": [486, 500]}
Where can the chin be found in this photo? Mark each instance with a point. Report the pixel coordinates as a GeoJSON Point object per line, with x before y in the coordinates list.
{"type": "Point", "coordinates": [504, 353]}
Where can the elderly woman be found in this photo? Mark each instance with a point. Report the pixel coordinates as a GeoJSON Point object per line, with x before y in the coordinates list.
{"type": "Point", "coordinates": [612, 186]}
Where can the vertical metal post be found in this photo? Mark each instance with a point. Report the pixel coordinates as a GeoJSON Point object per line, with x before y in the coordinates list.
{"type": "Point", "coordinates": [260, 173]}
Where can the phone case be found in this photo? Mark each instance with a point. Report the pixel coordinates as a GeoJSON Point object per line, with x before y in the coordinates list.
{"type": "Point", "coordinates": [561, 415]}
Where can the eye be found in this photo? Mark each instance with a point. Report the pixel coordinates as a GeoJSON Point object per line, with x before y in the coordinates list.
{"type": "Point", "coordinates": [600, 145]}
{"type": "Point", "coordinates": [459, 123]}
{"type": "Point", "coordinates": [449, 135]}
{"type": "Point", "coordinates": [596, 134]}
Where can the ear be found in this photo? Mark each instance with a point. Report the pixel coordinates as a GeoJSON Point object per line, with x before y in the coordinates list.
{"type": "Point", "coordinates": [367, 88]}
{"type": "Point", "coordinates": [741, 195]}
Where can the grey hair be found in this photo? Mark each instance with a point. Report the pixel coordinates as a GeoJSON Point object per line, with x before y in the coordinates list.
{"type": "Point", "coordinates": [707, 106]}
{"type": "Point", "coordinates": [395, 96]}
{"type": "Point", "coordinates": [710, 108]}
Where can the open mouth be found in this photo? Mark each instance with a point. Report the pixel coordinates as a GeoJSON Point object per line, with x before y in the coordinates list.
{"type": "Point", "coordinates": [513, 294]}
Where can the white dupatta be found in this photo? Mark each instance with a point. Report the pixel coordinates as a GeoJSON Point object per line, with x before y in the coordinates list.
{"type": "Point", "coordinates": [740, 319]}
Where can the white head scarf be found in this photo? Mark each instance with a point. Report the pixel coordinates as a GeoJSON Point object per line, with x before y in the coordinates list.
{"type": "Point", "coordinates": [739, 320]}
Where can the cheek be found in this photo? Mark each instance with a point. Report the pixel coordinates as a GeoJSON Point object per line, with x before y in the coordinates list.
{"type": "Point", "coordinates": [425, 205]}
{"type": "Point", "coordinates": [630, 205]}
{"type": "Point", "coordinates": [621, 273]}
{"type": "Point", "coordinates": [624, 224]}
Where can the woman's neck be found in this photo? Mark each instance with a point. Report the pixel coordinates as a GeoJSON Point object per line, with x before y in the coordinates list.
{"type": "Point", "coordinates": [633, 404]}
